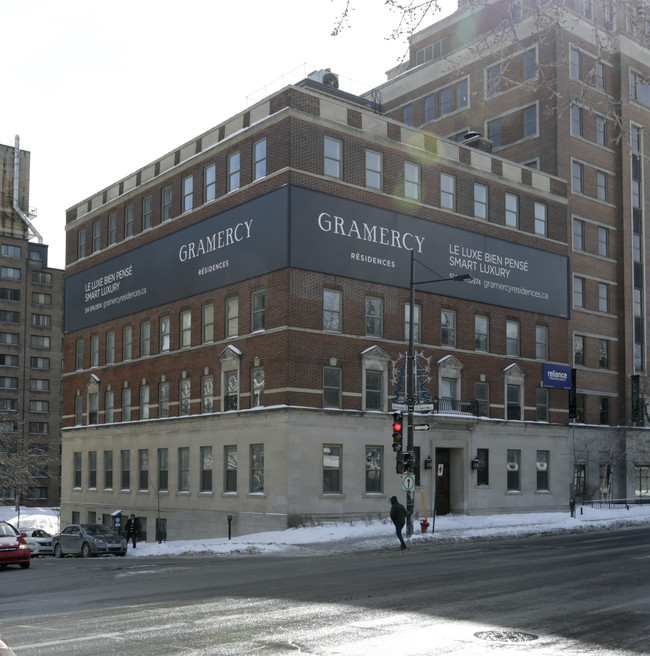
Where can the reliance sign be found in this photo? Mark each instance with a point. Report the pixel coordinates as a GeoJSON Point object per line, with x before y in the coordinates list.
{"type": "Point", "coordinates": [557, 375]}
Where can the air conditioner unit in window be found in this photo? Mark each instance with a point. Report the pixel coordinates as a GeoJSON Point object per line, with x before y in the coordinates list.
{"type": "Point", "coordinates": [512, 466]}
{"type": "Point", "coordinates": [542, 466]}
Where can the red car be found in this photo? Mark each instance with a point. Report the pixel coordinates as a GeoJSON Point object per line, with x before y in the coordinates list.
{"type": "Point", "coordinates": [13, 548]}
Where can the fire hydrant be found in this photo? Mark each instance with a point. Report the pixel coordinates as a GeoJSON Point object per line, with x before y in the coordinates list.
{"type": "Point", "coordinates": [424, 525]}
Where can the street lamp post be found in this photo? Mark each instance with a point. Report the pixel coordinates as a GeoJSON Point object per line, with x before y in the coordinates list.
{"type": "Point", "coordinates": [412, 394]}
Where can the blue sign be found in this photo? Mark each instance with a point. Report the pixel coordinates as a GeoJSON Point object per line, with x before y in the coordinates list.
{"type": "Point", "coordinates": [557, 375]}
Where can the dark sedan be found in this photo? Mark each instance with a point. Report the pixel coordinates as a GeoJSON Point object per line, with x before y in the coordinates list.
{"type": "Point", "coordinates": [88, 540]}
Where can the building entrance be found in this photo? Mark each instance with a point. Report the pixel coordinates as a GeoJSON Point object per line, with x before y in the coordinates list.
{"type": "Point", "coordinates": [442, 474]}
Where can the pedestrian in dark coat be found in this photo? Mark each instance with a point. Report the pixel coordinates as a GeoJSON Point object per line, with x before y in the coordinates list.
{"type": "Point", "coordinates": [398, 517]}
{"type": "Point", "coordinates": [132, 529]}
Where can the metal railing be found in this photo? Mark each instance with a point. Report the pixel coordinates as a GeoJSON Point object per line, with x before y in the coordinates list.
{"type": "Point", "coordinates": [443, 406]}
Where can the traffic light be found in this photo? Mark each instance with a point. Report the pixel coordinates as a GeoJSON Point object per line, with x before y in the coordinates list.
{"type": "Point", "coordinates": [404, 462]}
{"type": "Point", "coordinates": [397, 431]}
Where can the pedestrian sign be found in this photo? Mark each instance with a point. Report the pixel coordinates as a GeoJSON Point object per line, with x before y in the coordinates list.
{"type": "Point", "coordinates": [408, 482]}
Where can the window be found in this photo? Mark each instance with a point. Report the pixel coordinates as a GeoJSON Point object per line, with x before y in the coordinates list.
{"type": "Point", "coordinates": [577, 177]}
{"type": "Point", "coordinates": [483, 471]}
{"type": "Point", "coordinates": [257, 468]}
{"type": "Point", "coordinates": [639, 89]}
{"type": "Point", "coordinates": [444, 98]}
{"type": "Point", "coordinates": [541, 342]}
{"type": "Point", "coordinates": [529, 65]}
{"type": "Point", "coordinates": [166, 203]}
{"type": "Point", "coordinates": [529, 121]}
{"type": "Point", "coordinates": [207, 323]}
{"type": "Point", "coordinates": [231, 387]}
{"type": "Point", "coordinates": [34, 406]}
{"type": "Point", "coordinates": [97, 236]}
{"type": "Point", "coordinates": [39, 385]}
{"type": "Point", "coordinates": [373, 169]}
{"type": "Point", "coordinates": [128, 221]}
{"type": "Point", "coordinates": [186, 329]}
{"type": "Point", "coordinates": [578, 350]}
{"type": "Point", "coordinates": [258, 310]}
{"type": "Point", "coordinates": [541, 404]}
{"type": "Point", "coordinates": [331, 469]}
{"type": "Point", "coordinates": [163, 470]}
{"type": "Point", "coordinates": [37, 427]}
{"type": "Point", "coordinates": [603, 242]}
{"type": "Point", "coordinates": [332, 157]}
{"type": "Point", "coordinates": [210, 183]}
{"type": "Point", "coordinates": [206, 468]}
{"type": "Point", "coordinates": [11, 339]}
{"type": "Point", "coordinates": [257, 387]}
{"type": "Point", "coordinates": [125, 468]}
{"type": "Point", "coordinates": [259, 159]}
{"type": "Point", "coordinates": [14, 295]}
{"type": "Point", "coordinates": [574, 63]}
{"type": "Point", "coordinates": [579, 480]}
{"type": "Point", "coordinates": [10, 251]}
{"type": "Point", "coordinates": [447, 191]}
{"type": "Point", "coordinates": [110, 347]}
{"type": "Point", "coordinates": [449, 391]}
{"type": "Point", "coordinates": [374, 460]}
{"type": "Point", "coordinates": [603, 297]}
{"type": "Point", "coordinates": [38, 298]}
{"type": "Point", "coordinates": [93, 408]}
{"type": "Point", "coordinates": [147, 212]}
{"type": "Point", "coordinates": [540, 219]}
{"type": "Point", "coordinates": [7, 316]}
{"type": "Point", "coordinates": [39, 363]}
{"type": "Point", "coordinates": [512, 469]}
{"type": "Point", "coordinates": [144, 402]}
{"type": "Point", "coordinates": [232, 316]}
{"type": "Point", "coordinates": [636, 138]}
{"type": "Point", "coordinates": [576, 120]}
{"type": "Point", "coordinates": [448, 327]}
{"type": "Point", "coordinates": [512, 337]}
{"type": "Point", "coordinates": [374, 390]}
{"type": "Point", "coordinates": [481, 333]}
{"type": "Point", "coordinates": [494, 130]}
{"type": "Point", "coordinates": [8, 382]}
{"type": "Point", "coordinates": [332, 310]}
{"type": "Point", "coordinates": [430, 108]}
{"type": "Point", "coordinates": [77, 469]}
{"type": "Point", "coordinates": [108, 470]}
{"type": "Point", "coordinates": [109, 407]}
{"type": "Point", "coordinates": [480, 201]}
{"type": "Point", "coordinates": [604, 353]}
{"type": "Point", "coordinates": [94, 351]}
{"type": "Point", "coordinates": [126, 404]}
{"type": "Point", "coordinates": [542, 470]}
{"type": "Point", "coordinates": [407, 114]}
{"type": "Point", "coordinates": [184, 469]}
{"type": "Point", "coordinates": [145, 339]}
{"type": "Point", "coordinates": [411, 181]}
{"type": "Point", "coordinates": [207, 391]}
{"type": "Point", "coordinates": [188, 193]}
{"type": "Point", "coordinates": [81, 244]}
{"type": "Point", "coordinates": [512, 210]}
{"type": "Point", "coordinates": [127, 346]}
{"type": "Point", "coordinates": [601, 131]}
{"type": "Point", "coordinates": [601, 186]}
{"type": "Point", "coordinates": [578, 235]}
{"type": "Point", "coordinates": [163, 399]}
{"type": "Point", "coordinates": [143, 469]}
{"type": "Point", "coordinates": [432, 52]}
{"type": "Point", "coordinates": [230, 466]}
{"type": "Point", "coordinates": [493, 80]}
{"type": "Point", "coordinates": [184, 397]}
{"type": "Point", "coordinates": [604, 419]}
{"type": "Point", "coordinates": [79, 354]}
{"type": "Point", "coordinates": [374, 316]}
{"type": "Point", "coordinates": [417, 313]}
{"type": "Point", "coordinates": [462, 95]}
{"type": "Point", "coordinates": [165, 334]}
{"type": "Point", "coordinates": [112, 228]}
{"type": "Point", "coordinates": [331, 387]}
{"type": "Point", "coordinates": [42, 320]}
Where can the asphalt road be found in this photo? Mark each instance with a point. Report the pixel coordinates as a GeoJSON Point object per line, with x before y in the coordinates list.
{"type": "Point", "coordinates": [571, 594]}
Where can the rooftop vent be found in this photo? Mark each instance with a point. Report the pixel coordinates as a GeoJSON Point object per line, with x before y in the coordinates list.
{"type": "Point", "coordinates": [326, 77]}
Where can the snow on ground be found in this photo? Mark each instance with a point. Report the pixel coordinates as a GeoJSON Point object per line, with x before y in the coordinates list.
{"type": "Point", "coordinates": [341, 537]}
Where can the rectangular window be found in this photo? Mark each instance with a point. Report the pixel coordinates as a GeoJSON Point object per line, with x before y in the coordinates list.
{"type": "Point", "coordinates": [147, 212]}
{"type": "Point", "coordinates": [10, 251]}
{"type": "Point", "coordinates": [207, 391]}
{"type": "Point", "coordinates": [39, 385]}
{"type": "Point", "coordinates": [574, 63]}
{"type": "Point", "coordinates": [512, 470]}
{"type": "Point", "coordinates": [411, 181]}
{"type": "Point", "coordinates": [165, 334]}
{"type": "Point", "coordinates": [374, 316]}
{"type": "Point", "coordinates": [163, 399]}
{"type": "Point", "coordinates": [126, 404]}
{"type": "Point", "coordinates": [81, 244]}
{"type": "Point", "coordinates": [374, 391]}
{"type": "Point", "coordinates": [112, 228]}
{"type": "Point", "coordinates": [529, 65]}
{"type": "Point", "coordinates": [332, 300]}
{"type": "Point", "coordinates": [38, 298]}
{"type": "Point", "coordinates": [231, 390]}
{"type": "Point", "coordinates": [13, 339]}
{"type": "Point", "coordinates": [601, 131]}
{"type": "Point", "coordinates": [639, 89]}
{"type": "Point", "coordinates": [604, 353]}
{"type": "Point", "coordinates": [578, 350]}
{"type": "Point", "coordinates": [144, 402]}
{"type": "Point", "coordinates": [77, 469]}
{"type": "Point", "coordinates": [448, 327]}
{"type": "Point", "coordinates": [206, 469]}
{"type": "Point", "coordinates": [512, 210]}
{"type": "Point", "coordinates": [163, 470]}
{"type": "Point", "coordinates": [480, 201]}
{"type": "Point", "coordinates": [232, 316]}
{"type": "Point", "coordinates": [601, 186]}
{"type": "Point", "coordinates": [603, 297]}
{"type": "Point", "coordinates": [417, 312]}
{"type": "Point", "coordinates": [34, 406]}
{"type": "Point", "coordinates": [42, 320]}
{"type": "Point", "coordinates": [462, 95]}
{"type": "Point", "coordinates": [184, 469]}
{"type": "Point", "coordinates": [543, 458]}
{"type": "Point", "coordinates": [110, 347]}
{"type": "Point", "coordinates": [494, 131]}
{"type": "Point", "coordinates": [493, 80]}
{"type": "Point", "coordinates": [259, 159]}
{"type": "Point", "coordinates": [166, 203]}
{"type": "Point", "coordinates": [430, 108]}
{"type": "Point", "coordinates": [332, 158]}
{"type": "Point", "coordinates": [184, 397]}
{"type": "Point", "coordinates": [7, 294]}
{"type": "Point", "coordinates": [7, 316]}
{"type": "Point", "coordinates": [79, 354]}
{"type": "Point", "coordinates": [207, 323]}
{"type": "Point", "coordinates": [578, 235]}
{"type": "Point", "coordinates": [145, 339]}
{"type": "Point", "coordinates": [127, 343]}
{"type": "Point", "coordinates": [258, 310]}
{"type": "Point", "coordinates": [188, 193]}
{"type": "Point", "coordinates": [540, 219]}
{"type": "Point", "coordinates": [210, 183]}
{"type": "Point", "coordinates": [94, 351]}
{"type": "Point", "coordinates": [529, 121]}
{"type": "Point", "coordinates": [97, 236]}
{"type": "Point", "coordinates": [373, 169]}
{"type": "Point", "coordinates": [331, 387]}
{"type": "Point", "coordinates": [257, 387]}
{"type": "Point", "coordinates": [512, 337]}
{"type": "Point", "coordinates": [186, 329]}
{"type": "Point", "coordinates": [481, 333]}
{"type": "Point", "coordinates": [39, 363]}
{"type": "Point", "coordinates": [541, 342]}
{"type": "Point", "coordinates": [483, 471]}
{"type": "Point", "coordinates": [577, 177]}
{"type": "Point", "coordinates": [604, 418]}
{"type": "Point", "coordinates": [234, 170]}
{"type": "Point", "coordinates": [125, 468]}
{"type": "Point", "coordinates": [445, 97]}
{"type": "Point", "coordinates": [108, 470]}
{"type": "Point", "coordinates": [576, 120]}
{"type": "Point", "coordinates": [109, 407]}
{"type": "Point", "coordinates": [93, 408]}
{"type": "Point", "coordinates": [143, 469]}
{"type": "Point", "coordinates": [374, 464]}
{"type": "Point", "coordinates": [129, 218]}
{"type": "Point", "coordinates": [407, 114]}
{"type": "Point", "coordinates": [541, 404]}
{"type": "Point", "coordinates": [447, 191]}
{"type": "Point", "coordinates": [603, 242]}
{"type": "Point", "coordinates": [230, 469]}
{"type": "Point", "coordinates": [332, 469]}
{"type": "Point", "coordinates": [257, 468]}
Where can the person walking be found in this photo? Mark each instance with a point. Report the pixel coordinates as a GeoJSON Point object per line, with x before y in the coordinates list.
{"type": "Point", "coordinates": [398, 517]}
{"type": "Point", "coordinates": [132, 529]}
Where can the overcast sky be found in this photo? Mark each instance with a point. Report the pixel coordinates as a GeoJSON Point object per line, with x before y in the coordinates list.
{"type": "Point", "coordinates": [98, 89]}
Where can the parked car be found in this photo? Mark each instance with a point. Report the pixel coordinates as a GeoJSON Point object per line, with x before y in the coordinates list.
{"type": "Point", "coordinates": [88, 540]}
{"type": "Point", "coordinates": [13, 548]}
{"type": "Point", "coordinates": [5, 649]}
{"type": "Point", "coordinates": [39, 542]}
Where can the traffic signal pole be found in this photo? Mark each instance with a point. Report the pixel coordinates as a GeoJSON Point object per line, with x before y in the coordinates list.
{"type": "Point", "coordinates": [410, 400]}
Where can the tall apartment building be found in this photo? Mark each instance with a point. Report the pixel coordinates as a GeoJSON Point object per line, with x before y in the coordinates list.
{"type": "Point", "coordinates": [31, 346]}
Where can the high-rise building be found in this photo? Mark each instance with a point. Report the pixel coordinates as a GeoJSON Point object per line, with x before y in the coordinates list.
{"type": "Point", "coordinates": [31, 346]}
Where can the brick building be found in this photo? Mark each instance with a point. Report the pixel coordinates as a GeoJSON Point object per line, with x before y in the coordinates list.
{"type": "Point", "coordinates": [237, 316]}
{"type": "Point", "coordinates": [31, 346]}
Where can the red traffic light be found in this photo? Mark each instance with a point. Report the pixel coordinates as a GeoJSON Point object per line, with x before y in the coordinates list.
{"type": "Point", "coordinates": [397, 426]}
